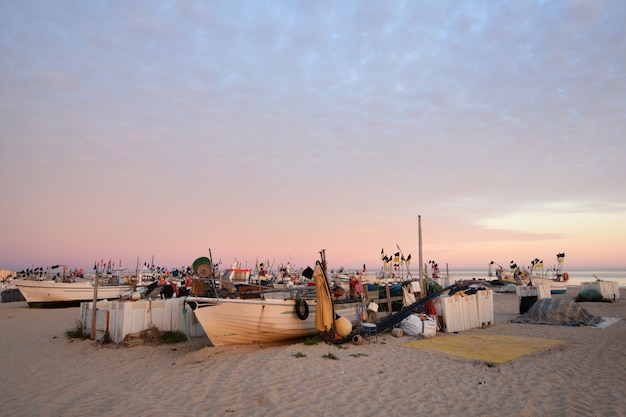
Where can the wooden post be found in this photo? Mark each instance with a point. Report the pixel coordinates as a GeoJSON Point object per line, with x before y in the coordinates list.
{"type": "Point", "coordinates": [95, 301]}
{"type": "Point", "coordinates": [388, 293]}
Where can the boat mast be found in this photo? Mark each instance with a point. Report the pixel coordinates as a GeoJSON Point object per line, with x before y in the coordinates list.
{"type": "Point", "coordinates": [419, 248]}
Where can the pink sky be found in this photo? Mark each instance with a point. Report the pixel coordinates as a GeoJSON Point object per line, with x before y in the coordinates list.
{"type": "Point", "coordinates": [275, 130]}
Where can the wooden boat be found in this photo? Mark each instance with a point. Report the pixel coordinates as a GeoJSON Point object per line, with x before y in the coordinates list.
{"type": "Point", "coordinates": [556, 286]}
{"type": "Point", "coordinates": [556, 279]}
{"type": "Point", "coordinates": [50, 293]}
{"type": "Point", "coordinates": [261, 320]}
{"type": "Point", "coordinates": [67, 288]}
{"type": "Point", "coordinates": [273, 315]}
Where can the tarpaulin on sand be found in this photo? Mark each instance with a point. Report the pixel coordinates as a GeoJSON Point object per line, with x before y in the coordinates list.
{"type": "Point", "coordinates": [557, 311]}
{"type": "Point", "coordinates": [487, 348]}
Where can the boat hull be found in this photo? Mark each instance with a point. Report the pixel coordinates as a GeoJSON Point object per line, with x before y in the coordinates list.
{"type": "Point", "coordinates": [65, 294]}
{"type": "Point", "coordinates": [254, 321]}
{"type": "Point", "coordinates": [556, 286]}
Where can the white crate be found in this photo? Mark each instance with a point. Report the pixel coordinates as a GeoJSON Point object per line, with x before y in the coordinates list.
{"type": "Point", "coordinates": [460, 312]}
{"type": "Point", "coordinates": [484, 303]}
{"type": "Point", "coordinates": [608, 289]}
{"type": "Point", "coordinates": [543, 291]}
{"type": "Point", "coordinates": [540, 291]}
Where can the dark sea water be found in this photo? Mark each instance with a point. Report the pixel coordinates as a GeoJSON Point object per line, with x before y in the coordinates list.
{"type": "Point", "coordinates": [576, 276]}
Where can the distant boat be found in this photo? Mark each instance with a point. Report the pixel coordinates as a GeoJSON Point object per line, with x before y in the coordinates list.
{"type": "Point", "coordinates": [64, 291]}
{"type": "Point", "coordinates": [556, 279]}
{"type": "Point", "coordinates": [50, 293]}
{"type": "Point", "coordinates": [556, 286]}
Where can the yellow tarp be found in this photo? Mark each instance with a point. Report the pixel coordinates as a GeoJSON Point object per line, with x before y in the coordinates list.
{"type": "Point", "coordinates": [487, 348]}
{"type": "Point", "coordinates": [324, 309]}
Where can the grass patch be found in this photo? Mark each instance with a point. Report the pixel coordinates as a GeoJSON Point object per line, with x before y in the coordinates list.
{"type": "Point", "coordinates": [330, 356]}
{"type": "Point", "coordinates": [299, 355]}
{"type": "Point", "coordinates": [314, 340]}
{"type": "Point", "coordinates": [358, 355]}
{"type": "Point", "coordinates": [77, 332]}
{"type": "Point", "coordinates": [173, 336]}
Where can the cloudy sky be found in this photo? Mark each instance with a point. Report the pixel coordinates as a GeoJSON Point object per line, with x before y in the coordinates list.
{"type": "Point", "coordinates": [273, 130]}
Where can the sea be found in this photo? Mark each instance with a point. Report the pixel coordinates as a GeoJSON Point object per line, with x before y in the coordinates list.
{"type": "Point", "coordinates": [576, 276]}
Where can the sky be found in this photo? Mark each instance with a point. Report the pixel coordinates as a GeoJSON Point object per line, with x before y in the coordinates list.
{"type": "Point", "coordinates": [273, 130]}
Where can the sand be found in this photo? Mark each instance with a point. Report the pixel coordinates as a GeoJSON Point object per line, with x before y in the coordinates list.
{"type": "Point", "coordinates": [45, 374]}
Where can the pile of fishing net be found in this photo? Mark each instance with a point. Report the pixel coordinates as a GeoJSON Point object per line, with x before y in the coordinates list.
{"type": "Point", "coordinates": [558, 311]}
{"type": "Point", "coordinates": [589, 294]}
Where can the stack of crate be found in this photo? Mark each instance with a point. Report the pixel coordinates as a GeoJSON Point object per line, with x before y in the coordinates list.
{"type": "Point", "coordinates": [463, 312]}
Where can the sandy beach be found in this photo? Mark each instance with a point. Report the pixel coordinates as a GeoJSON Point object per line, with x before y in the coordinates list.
{"type": "Point", "coordinates": [44, 373]}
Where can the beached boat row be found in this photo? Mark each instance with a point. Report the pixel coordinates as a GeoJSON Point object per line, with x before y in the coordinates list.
{"type": "Point", "coordinates": [236, 306]}
{"type": "Point", "coordinates": [555, 278]}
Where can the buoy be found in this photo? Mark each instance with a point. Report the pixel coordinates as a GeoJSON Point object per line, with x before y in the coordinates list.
{"type": "Point", "coordinates": [343, 326]}
{"type": "Point", "coordinates": [357, 339]}
{"type": "Point", "coordinates": [565, 276]}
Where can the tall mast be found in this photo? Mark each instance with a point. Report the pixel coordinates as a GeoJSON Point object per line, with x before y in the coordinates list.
{"type": "Point", "coordinates": [419, 248]}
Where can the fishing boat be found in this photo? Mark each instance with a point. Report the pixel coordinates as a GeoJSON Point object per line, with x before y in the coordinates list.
{"type": "Point", "coordinates": [48, 293]}
{"type": "Point", "coordinates": [266, 314]}
{"type": "Point", "coordinates": [67, 289]}
{"type": "Point", "coordinates": [555, 277]}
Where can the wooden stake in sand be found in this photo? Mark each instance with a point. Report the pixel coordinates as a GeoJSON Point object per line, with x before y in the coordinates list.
{"type": "Point", "coordinates": [422, 278]}
{"type": "Point", "coordinates": [95, 301]}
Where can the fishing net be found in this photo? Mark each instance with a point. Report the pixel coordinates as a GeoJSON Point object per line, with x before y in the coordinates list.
{"type": "Point", "coordinates": [590, 294]}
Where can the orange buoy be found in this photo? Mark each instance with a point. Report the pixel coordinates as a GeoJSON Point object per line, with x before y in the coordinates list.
{"type": "Point", "coordinates": [343, 326]}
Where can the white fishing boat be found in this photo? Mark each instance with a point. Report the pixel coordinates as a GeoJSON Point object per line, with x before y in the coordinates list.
{"type": "Point", "coordinates": [49, 293]}
{"type": "Point", "coordinates": [555, 277]}
{"type": "Point", "coordinates": [59, 289]}
{"type": "Point", "coordinates": [249, 321]}
{"type": "Point", "coordinates": [268, 315]}
{"type": "Point", "coordinates": [556, 286]}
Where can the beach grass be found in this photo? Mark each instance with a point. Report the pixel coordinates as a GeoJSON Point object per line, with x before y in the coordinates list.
{"type": "Point", "coordinates": [77, 332]}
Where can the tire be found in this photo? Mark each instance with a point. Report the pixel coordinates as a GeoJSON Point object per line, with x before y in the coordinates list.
{"type": "Point", "coordinates": [302, 309]}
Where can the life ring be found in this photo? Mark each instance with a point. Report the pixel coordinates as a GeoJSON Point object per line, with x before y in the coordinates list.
{"type": "Point", "coordinates": [565, 276]}
{"type": "Point", "coordinates": [302, 309]}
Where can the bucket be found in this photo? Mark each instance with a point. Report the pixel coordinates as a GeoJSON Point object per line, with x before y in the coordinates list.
{"type": "Point", "coordinates": [357, 340]}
